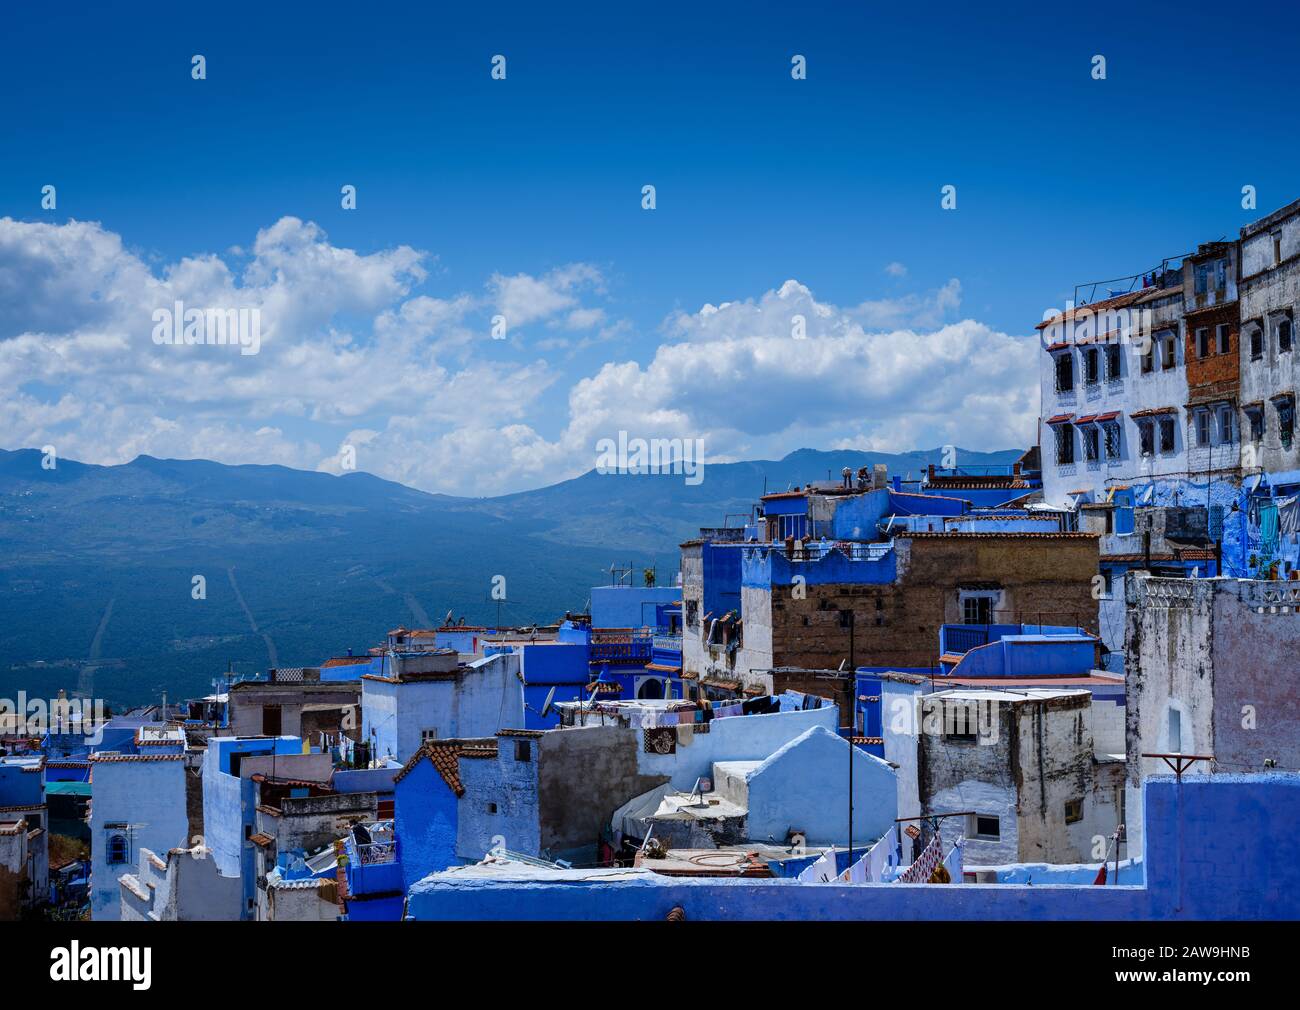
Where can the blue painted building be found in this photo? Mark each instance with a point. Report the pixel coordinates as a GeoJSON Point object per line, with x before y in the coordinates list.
{"type": "Point", "coordinates": [139, 803]}
{"type": "Point", "coordinates": [230, 797]}
{"type": "Point", "coordinates": [631, 606]}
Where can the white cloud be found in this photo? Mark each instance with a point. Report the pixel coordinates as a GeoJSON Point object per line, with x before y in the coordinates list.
{"type": "Point", "coordinates": [353, 354]}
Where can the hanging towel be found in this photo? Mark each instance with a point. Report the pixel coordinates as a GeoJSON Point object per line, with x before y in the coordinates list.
{"type": "Point", "coordinates": [921, 871]}
{"type": "Point", "coordinates": [821, 871]}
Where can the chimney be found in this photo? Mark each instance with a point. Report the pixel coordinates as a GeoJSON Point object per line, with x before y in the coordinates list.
{"type": "Point", "coordinates": [931, 471]}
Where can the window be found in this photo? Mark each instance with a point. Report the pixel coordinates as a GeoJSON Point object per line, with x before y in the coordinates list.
{"type": "Point", "coordinates": [491, 808]}
{"type": "Point", "coordinates": [1256, 342]}
{"type": "Point", "coordinates": [1064, 372]}
{"type": "Point", "coordinates": [428, 735]}
{"type": "Point", "coordinates": [692, 613]}
{"type": "Point", "coordinates": [1169, 352]}
{"type": "Point", "coordinates": [1277, 247]}
{"type": "Point", "coordinates": [1283, 336]}
{"type": "Point", "coordinates": [1166, 434]}
{"type": "Point", "coordinates": [1112, 439]}
{"type": "Point", "coordinates": [1064, 444]}
{"type": "Point", "coordinates": [1202, 427]}
{"type": "Point", "coordinates": [1203, 342]}
{"type": "Point", "coordinates": [985, 827]}
{"type": "Point", "coordinates": [960, 723]}
{"type": "Point", "coordinates": [523, 750]}
{"type": "Point", "coordinates": [1147, 438]}
{"type": "Point", "coordinates": [1113, 359]}
{"type": "Point", "coordinates": [271, 720]}
{"type": "Point", "coordinates": [1285, 420]}
{"type": "Point", "coordinates": [385, 810]}
{"type": "Point", "coordinates": [1175, 731]}
{"type": "Point", "coordinates": [118, 851]}
{"type": "Point", "coordinates": [1091, 443]}
{"type": "Point", "coordinates": [1091, 366]}
{"type": "Point", "coordinates": [1149, 359]}
{"type": "Point", "coordinates": [1201, 277]}
{"type": "Point", "coordinates": [977, 608]}
{"type": "Point", "coordinates": [1226, 426]}
{"type": "Point", "coordinates": [1221, 334]}
{"type": "Point", "coordinates": [1256, 419]}
{"type": "Point", "coordinates": [1073, 811]}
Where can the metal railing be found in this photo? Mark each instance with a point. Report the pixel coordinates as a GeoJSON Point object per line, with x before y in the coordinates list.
{"type": "Point", "coordinates": [373, 853]}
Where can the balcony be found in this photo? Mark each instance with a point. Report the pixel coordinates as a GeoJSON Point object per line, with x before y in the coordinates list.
{"type": "Point", "coordinates": [372, 867]}
{"type": "Point", "coordinates": [636, 650]}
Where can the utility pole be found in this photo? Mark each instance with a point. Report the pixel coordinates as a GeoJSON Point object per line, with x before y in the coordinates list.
{"type": "Point", "coordinates": [853, 716]}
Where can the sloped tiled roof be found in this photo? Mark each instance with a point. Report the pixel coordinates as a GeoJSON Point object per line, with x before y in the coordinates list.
{"type": "Point", "coordinates": [445, 758]}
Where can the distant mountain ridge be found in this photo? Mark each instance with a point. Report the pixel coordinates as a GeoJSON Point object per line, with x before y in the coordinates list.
{"type": "Point", "coordinates": [98, 563]}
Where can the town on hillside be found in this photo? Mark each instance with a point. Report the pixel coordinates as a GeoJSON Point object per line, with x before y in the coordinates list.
{"type": "Point", "coordinates": [883, 696]}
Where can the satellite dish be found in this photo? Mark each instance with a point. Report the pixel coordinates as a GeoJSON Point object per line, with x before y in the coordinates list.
{"type": "Point", "coordinates": [446, 621]}
{"type": "Point", "coordinates": [546, 708]}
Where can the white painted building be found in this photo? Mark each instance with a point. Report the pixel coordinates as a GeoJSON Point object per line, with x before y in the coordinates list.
{"type": "Point", "coordinates": [1269, 292]}
{"type": "Point", "coordinates": [1112, 386]}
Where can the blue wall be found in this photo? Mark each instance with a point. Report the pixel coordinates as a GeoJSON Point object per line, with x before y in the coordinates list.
{"type": "Point", "coordinates": [425, 823]}
{"type": "Point", "coordinates": [721, 573]}
{"type": "Point", "coordinates": [628, 606]}
{"type": "Point", "coordinates": [762, 568]}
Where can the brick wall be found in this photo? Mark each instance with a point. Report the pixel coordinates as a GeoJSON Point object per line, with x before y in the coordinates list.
{"type": "Point", "coordinates": [898, 624]}
{"type": "Point", "coordinates": [1216, 376]}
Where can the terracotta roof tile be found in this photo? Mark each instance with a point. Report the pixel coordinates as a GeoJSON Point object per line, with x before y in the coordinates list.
{"type": "Point", "coordinates": [445, 758]}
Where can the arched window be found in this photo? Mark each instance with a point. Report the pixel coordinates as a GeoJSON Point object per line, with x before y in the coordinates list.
{"type": "Point", "coordinates": [117, 849]}
{"type": "Point", "coordinates": [651, 687]}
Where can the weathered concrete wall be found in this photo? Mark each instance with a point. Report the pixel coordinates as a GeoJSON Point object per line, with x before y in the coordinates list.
{"type": "Point", "coordinates": [584, 775]}
{"type": "Point", "coordinates": [247, 701]}
{"type": "Point", "coordinates": [1168, 643]}
{"type": "Point", "coordinates": [1034, 758]}
{"type": "Point", "coordinates": [1255, 659]}
{"type": "Point", "coordinates": [15, 887]}
{"type": "Point", "coordinates": [306, 901]}
{"type": "Point", "coordinates": [1202, 649]}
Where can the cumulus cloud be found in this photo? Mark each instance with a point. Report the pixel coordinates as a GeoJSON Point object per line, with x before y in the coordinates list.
{"type": "Point", "coordinates": [740, 376]}
{"type": "Point", "coordinates": [355, 354]}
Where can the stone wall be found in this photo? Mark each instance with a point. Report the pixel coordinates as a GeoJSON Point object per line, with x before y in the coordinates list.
{"type": "Point", "coordinates": [1047, 577]}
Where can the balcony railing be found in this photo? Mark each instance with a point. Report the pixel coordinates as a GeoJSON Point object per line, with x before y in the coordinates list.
{"type": "Point", "coordinates": [635, 651]}
{"type": "Point", "coordinates": [960, 639]}
{"type": "Point", "coordinates": [374, 853]}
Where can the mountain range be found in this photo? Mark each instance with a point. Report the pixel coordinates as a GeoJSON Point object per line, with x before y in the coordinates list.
{"type": "Point", "coordinates": [100, 565]}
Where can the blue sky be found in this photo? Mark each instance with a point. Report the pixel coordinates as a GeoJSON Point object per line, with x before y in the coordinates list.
{"type": "Point", "coordinates": [760, 180]}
